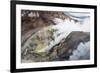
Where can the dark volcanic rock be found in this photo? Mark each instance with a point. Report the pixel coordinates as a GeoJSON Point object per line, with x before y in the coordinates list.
{"type": "Point", "coordinates": [64, 49]}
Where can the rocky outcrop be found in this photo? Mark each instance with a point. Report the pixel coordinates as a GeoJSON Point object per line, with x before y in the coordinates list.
{"type": "Point", "coordinates": [65, 48]}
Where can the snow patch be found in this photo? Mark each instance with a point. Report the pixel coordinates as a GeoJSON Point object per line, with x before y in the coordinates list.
{"type": "Point", "coordinates": [82, 52]}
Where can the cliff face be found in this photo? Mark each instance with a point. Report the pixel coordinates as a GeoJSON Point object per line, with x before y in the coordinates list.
{"type": "Point", "coordinates": [50, 36]}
